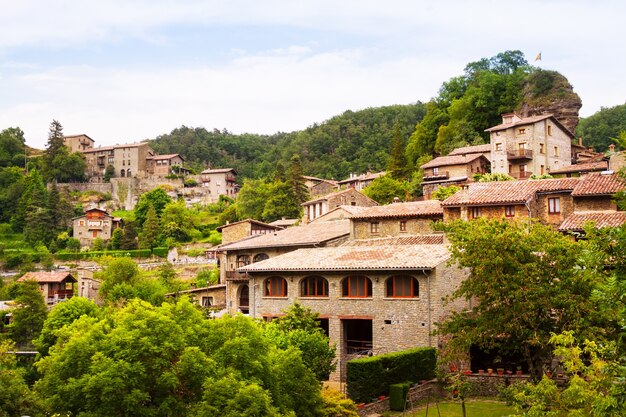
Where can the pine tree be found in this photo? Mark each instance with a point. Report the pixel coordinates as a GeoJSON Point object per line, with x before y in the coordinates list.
{"type": "Point", "coordinates": [54, 147]}
{"type": "Point", "coordinates": [397, 167]}
{"type": "Point", "coordinates": [151, 229]}
{"type": "Point", "coordinates": [34, 196]}
{"type": "Point", "coordinates": [129, 239]}
{"type": "Point", "coordinates": [296, 180]}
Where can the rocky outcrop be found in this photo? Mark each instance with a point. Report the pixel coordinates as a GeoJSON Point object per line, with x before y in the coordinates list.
{"type": "Point", "coordinates": [550, 92]}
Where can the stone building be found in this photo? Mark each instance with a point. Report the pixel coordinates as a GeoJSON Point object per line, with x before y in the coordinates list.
{"type": "Point", "coordinates": [128, 160]}
{"type": "Point", "coordinates": [484, 150]}
{"type": "Point", "coordinates": [219, 182]}
{"type": "Point", "coordinates": [78, 143]}
{"type": "Point", "coordinates": [359, 182]}
{"type": "Point", "coordinates": [374, 296]}
{"type": "Point", "coordinates": [164, 165]}
{"type": "Point", "coordinates": [87, 286]}
{"type": "Point", "coordinates": [396, 219]}
{"type": "Point", "coordinates": [449, 170]}
{"type": "Point", "coordinates": [55, 286]}
{"type": "Point", "coordinates": [322, 205]}
{"type": "Point", "coordinates": [319, 186]}
{"type": "Point", "coordinates": [95, 223]}
{"type": "Point", "coordinates": [213, 296]}
{"type": "Point", "coordinates": [232, 232]}
{"type": "Point", "coordinates": [521, 147]}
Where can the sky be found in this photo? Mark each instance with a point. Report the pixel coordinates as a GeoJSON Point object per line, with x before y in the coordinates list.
{"type": "Point", "coordinates": [124, 71]}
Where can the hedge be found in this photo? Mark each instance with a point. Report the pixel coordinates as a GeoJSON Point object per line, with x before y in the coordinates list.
{"type": "Point", "coordinates": [397, 396]}
{"type": "Point", "coordinates": [368, 378]}
{"type": "Point", "coordinates": [160, 252]}
{"type": "Point", "coordinates": [74, 256]}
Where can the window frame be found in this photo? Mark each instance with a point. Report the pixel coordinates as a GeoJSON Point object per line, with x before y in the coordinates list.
{"type": "Point", "coordinates": [260, 257]}
{"type": "Point", "coordinates": [475, 212]}
{"type": "Point", "coordinates": [498, 146]}
{"type": "Point", "coordinates": [311, 285]}
{"type": "Point", "coordinates": [554, 205]}
{"type": "Point", "coordinates": [359, 281]}
{"type": "Point", "coordinates": [509, 211]}
{"type": "Point", "coordinates": [242, 260]}
{"type": "Point", "coordinates": [374, 227]}
{"type": "Point", "coordinates": [403, 225]}
{"type": "Point", "coordinates": [390, 287]}
{"type": "Point", "coordinates": [268, 287]}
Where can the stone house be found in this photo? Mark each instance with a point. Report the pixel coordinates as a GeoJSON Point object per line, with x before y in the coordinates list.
{"type": "Point", "coordinates": [94, 223]}
{"type": "Point", "coordinates": [219, 182]}
{"type": "Point", "coordinates": [452, 170]}
{"type": "Point", "coordinates": [340, 213]}
{"type": "Point", "coordinates": [128, 160]}
{"type": "Point", "coordinates": [322, 205]}
{"type": "Point", "coordinates": [374, 296]}
{"type": "Point", "coordinates": [521, 147]}
{"type": "Point", "coordinates": [319, 186]}
{"type": "Point", "coordinates": [359, 182]}
{"type": "Point", "coordinates": [235, 255]}
{"type": "Point", "coordinates": [232, 232]}
{"type": "Point", "coordinates": [213, 296]}
{"type": "Point", "coordinates": [576, 170]}
{"type": "Point", "coordinates": [164, 165]}
{"type": "Point", "coordinates": [78, 143]}
{"type": "Point", "coordinates": [396, 219]}
{"type": "Point", "coordinates": [55, 286]}
{"type": "Point", "coordinates": [484, 150]}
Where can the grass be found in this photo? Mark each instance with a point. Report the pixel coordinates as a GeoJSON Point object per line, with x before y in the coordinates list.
{"type": "Point", "coordinates": [474, 408]}
{"type": "Point", "coordinates": [124, 214]}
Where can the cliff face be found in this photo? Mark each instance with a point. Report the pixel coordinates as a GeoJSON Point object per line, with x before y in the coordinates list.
{"type": "Point", "coordinates": [550, 92]}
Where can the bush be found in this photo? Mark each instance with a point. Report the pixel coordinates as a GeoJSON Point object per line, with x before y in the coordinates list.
{"type": "Point", "coordinates": [74, 256]}
{"type": "Point", "coordinates": [397, 396]}
{"type": "Point", "coordinates": [371, 377]}
{"type": "Point", "coordinates": [161, 252]}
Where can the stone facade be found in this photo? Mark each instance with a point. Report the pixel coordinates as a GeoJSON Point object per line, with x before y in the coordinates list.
{"type": "Point", "coordinates": [128, 160]}
{"type": "Point", "coordinates": [163, 165]}
{"type": "Point", "coordinates": [594, 203]}
{"type": "Point", "coordinates": [94, 224]}
{"type": "Point", "coordinates": [375, 228]}
{"type": "Point", "coordinates": [349, 197]}
{"type": "Point", "coordinates": [243, 229]}
{"type": "Point", "coordinates": [78, 143]}
{"type": "Point", "coordinates": [220, 182]}
{"type": "Point", "coordinates": [534, 145]}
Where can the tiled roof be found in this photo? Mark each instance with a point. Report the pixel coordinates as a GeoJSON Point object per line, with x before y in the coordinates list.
{"type": "Point", "coordinates": [363, 177]}
{"type": "Point", "coordinates": [284, 222]}
{"type": "Point", "coordinates": [451, 160]}
{"type": "Point", "coordinates": [436, 239]}
{"type": "Point", "coordinates": [252, 221]}
{"type": "Point", "coordinates": [335, 194]}
{"type": "Point", "coordinates": [218, 171]}
{"type": "Point", "coordinates": [46, 277]}
{"type": "Point", "coordinates": [584, 167]}
{"type": "Point", "coordinates": [576, 221]}
{"type": "Point", "coordinates": [167, 156]}
{"type": "Point", "coordinates": [599, 184]}
{"type": "Point", "coordinates": [77, 136]}
{"type": "Point", "coordinates": [506, 192]}
{"type": "Point", "coordinates": [308, 177]}
{"type": "Point", "coordinates": [311, 234]}
{"type": "Point", "coordinates": [109, 148]}
{"type": "Point", "coordinates": [528, 121]}
{"type": "Point", "coordinates": [410, 209]}
{"type": "Point", "coordinates": [471, 149]}
{"type": "Point", "coordinates": [355, 258]}
{"type": "Point", "coordinates": [451, 180]}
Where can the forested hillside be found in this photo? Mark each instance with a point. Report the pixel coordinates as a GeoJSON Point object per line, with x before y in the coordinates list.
{"type": "Point", "coordinates": [598, 129]}
{"type": "Point", "coordinates": [351, 142]}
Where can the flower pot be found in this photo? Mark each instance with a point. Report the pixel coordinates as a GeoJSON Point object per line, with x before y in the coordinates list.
{"type": "Point", "coordinates": [508, 372]}
{"type": "Point", "coordinates": [481, 371]}
{"type": "Point", "coordinates": [468, 372]}
{"type": "Point", "coordinates": [518, 372]}
{"type": "Point", "coordinates": [549, 374]}
{"type": "Point", "coordinates": [489, 371]}
{"type": "Point", "coordinates": [500, 371]}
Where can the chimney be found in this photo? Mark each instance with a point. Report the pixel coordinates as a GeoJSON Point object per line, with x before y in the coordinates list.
{"type": "Point", "coordinates": [580, 141]}
{"type": "Point", "coordinates": [396, 199]}
{"type": "Point", "coordinates": [612, 148]}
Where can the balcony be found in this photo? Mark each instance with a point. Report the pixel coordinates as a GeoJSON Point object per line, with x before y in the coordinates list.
{"type": "Point", "coordinates": [520, 154]}
{"type": "Point", "coordinates": [523, 175]}
{"type": "Point", "coordinates": [236, 276]}
{"type": "Point", "coordinates": [230, 178]}
{"type": "Point", "coordinates": [440, 175]}
{"type": "Point", "coordinates": [60, 295]}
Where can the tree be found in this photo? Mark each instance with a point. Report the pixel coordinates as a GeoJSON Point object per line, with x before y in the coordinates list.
{"type": "Point", "coordinates": [296, 180]}
{"type": "Point", "coordinates": [12, 147]}
{"type": "Point", "coordinates": [156, 198]}
{"type": "Point", "coordinates": [16, 398]}
{"type": "Point", "coordinates": [37, 228]}
{"type": "Point", "coordinates": [57, 163]}
{"type": "Point", "coordinates": [528, 281]}
{"type": "Point", "coordinates": [28, 315]}
{"type": "Point", "coordinates": [251, 199]}
{"type": "Point", "coordinates": [177, 222]}
{"type": "Point", "coordinates": [129, 236]}
{"type": "Point", "coordinates": [282, 202]}
{"type": "Point", "coordinates": [492, 177]}
{"type": "Point", "coordinates": [123, 281]}
{"type": "Point", "coordinates": [385, 189]}
{"type": "Point", "coordinates": [34, 196]}
{"type": "Point", "coordinates": [116, 238]}
{"type": "Point", "coordinates": [151, 229]}
{"type": "Point", "coordinates": [397, 168]}
{"type": "Point", "coordinates": [109, 172]}
{"type": "Point", "coordinates": [442, 193]}
{"type": "Point", "coordinates": [598, 128]}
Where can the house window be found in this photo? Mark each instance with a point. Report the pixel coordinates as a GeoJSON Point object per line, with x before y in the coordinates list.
{"type": "Point", "coordinates": [521, 131]}
{"type": "Point", "coordinates": [498, 146]}
{"type": "Point", "coordinates": [374, 227]}
{"type": "Point", "coordinates": [541, 148]}
{"type": "Point", "coordinates": [549, 130]}
{"type": "Point", "coordinates": [243, 260]}
{"type": "Point", "coordinates": [207, 301]}
{"type": "Point", "coordinates": [509, 211]}
{"type": "Point", "coordinates": [542, 169]}
{"type": "Point", "coordinates": [260, 257]}
{"type": "Point", "coordinates": [314, 286]}
{"type": "Point", "coordinates": [554, 205]}
{"type": "Point", "coordinates": [435, 170]}
{"type": "Point", "coordinates": [475, 212]}
{"type": "Point", "coordinates": [356, 286]}
{"type": "Point", "coordinates": [556, 151]}
{"type": "Point", "coordinates": [82, 223]}
{"type": "Point", "coordinates": [402, 286]}
{"type": "Point", "coordinates": [276, 287]}
{"type": "Point", "coordinates": [403, 226]}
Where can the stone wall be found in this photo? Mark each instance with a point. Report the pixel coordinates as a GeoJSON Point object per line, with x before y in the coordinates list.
{"type": "Point", "coordinates": [391, 227]}
{"type": "Point", "coordinates": [594, 203]}
{"type": "Point", "coordinates": [540, 208]}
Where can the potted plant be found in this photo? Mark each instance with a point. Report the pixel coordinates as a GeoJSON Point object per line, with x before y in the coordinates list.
{"type": "Point", "coordinates": [490, 371]}
{"type": "Point", "coordinates": [519, 370]}
{"type": "Point", "coordinates": [500, 371]}
{"type": "Point", "coordinates": [549, 373]}
{"type": "Point", "coordinates": [481, 371]}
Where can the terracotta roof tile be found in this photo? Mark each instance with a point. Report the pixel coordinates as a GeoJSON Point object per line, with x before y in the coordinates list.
{"type": "Point", "coordinates": [46, 277]}
{"type": "Point", "coordinates": [310, 234]}
{"type": "Point", "coordinates": [410, 209]}
{"type": "Point", "coordinates": [506, 192]}
{"type": "Point", "coordinates": [577, 221]}
{"type": "Point", "coordinates": [218, 171]}
{"type": "Point", "coordinates": [334, 194]}
{"type": "Point", "coordinates": [599, 184]}
{"type": "Point", "coordinates": [355, 258]}
{"type": "Point", "coordinates": [363, 177]}
{"type": "Point", "coordinates": [530, 120]}
{"type": "Point", "coordinates": [451, 160]}
{"type": "Point", "coordinates": [471, 149]}
{"type": "Point", "coordinates": [583, 167]}
{"type": "Point", "coordinates": [252, 221]}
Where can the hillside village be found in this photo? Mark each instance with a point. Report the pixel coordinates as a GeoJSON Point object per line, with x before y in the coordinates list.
{"type": "Point", "coordinates": [379, 276]}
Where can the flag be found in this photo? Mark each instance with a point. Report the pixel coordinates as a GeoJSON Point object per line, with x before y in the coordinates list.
{"type": "Point", "coordinates": [538, 58]}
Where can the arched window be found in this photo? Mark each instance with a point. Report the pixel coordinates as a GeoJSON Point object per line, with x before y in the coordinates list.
{"type": "Point", "coordinates": [122, 173]}
{"type": "Point", "coordinates": [275, 287]}
{"type": "Point", "coordinates": [128, 173]}
{"type": "Point", "coordinates": [314, 286]}
{"type": "Point", "coordinates": [260, 257]}
{"type": "Point", "coordinates": [243, 260]}
{"type": "Point", "coordinates": [356, 286]}
{"type": "Point", "coordinates": [244, 299]}
{"type": "Point", "coordinates": [402, 286]}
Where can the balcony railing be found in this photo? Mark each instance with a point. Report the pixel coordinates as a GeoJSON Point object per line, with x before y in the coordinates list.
{"type": "Point", "coordinates": [236, 276]}
{"type": "Point", "coordinates": [436, 175]}
{"type": "Point", "coordinates": [520, 154]}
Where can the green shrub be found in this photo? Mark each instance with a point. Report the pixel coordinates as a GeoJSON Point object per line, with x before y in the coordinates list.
{"type": "Point", "coordinates": [74, 256]}
{"type": "Point", "coordinates": [397, 396]}
{"type": "Point", "coordinates": [371, 377]}
{"type": "Point", "coordinates": [161, 252]}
